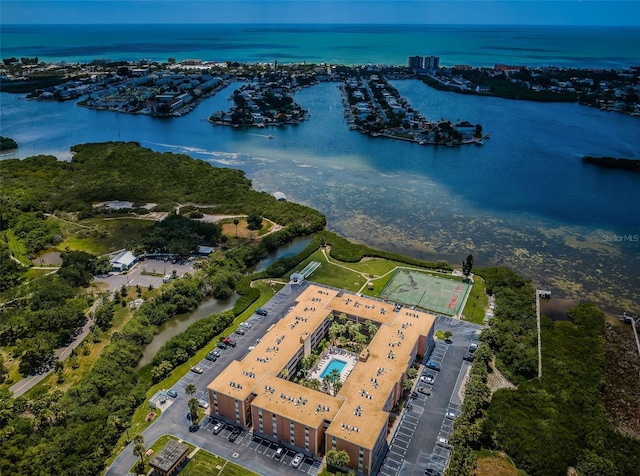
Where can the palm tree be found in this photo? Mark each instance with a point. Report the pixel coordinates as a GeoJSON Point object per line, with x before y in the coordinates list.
{"type": "Point", "coordinates": [190, 389]}
{"type": "Point", "coordinates": [139, 449]}
{"type": "Point", "coordinates": [338, 459]}
{"type": "Point", "coordinates": [193, 408]}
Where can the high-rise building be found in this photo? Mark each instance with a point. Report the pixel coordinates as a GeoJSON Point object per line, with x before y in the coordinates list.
{"type": "Point", "coordinates": [415, 62]}
{"type": "Point", "coordinates": [432, 62]}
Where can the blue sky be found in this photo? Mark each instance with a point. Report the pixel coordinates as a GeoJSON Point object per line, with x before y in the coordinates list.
{"type": "Point", "coordinates": [511, 12]}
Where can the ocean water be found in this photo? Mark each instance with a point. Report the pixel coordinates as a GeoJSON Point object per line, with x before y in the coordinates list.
{"type": "Point", "coordinates": [600, 47]}
{"type": "Point", "coordinates": [524, 199]}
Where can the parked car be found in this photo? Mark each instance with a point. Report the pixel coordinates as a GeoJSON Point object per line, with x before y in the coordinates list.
{"type": "Point", "coordinates": [428, 378]}
{"type": "Point", "coordinates": [433, 365]}
{"type": "Point", "coordinates": [229, 341]}
{"type": "Point", "coordinates": [217, 428]}
{"type": "Point", "coordinates": [473, 347]}
{"type": "Point", "coordinates": [246, 324]}
{"type": "Point", "coordinates": [432, 472]}
{"type": "Point", "coordinates": [450, 415]}
{"type": "Point", "coordinates": [261, 312]}
{"type": "Point", "coordinates": [280, 452]}
{"type": "Point", "coordinates": [468, 356]}
{"type": "Point", "coordinates": [442, 441]}
{"type": "Point", "coordinates": [203, 404]}
{"type": "Point", "coordinates": [211, 357]}
{"type": "Point", "coordinates": [172, 393]}
{"type": "Point", "coordinates": [297, 460]}
{"type": "Point", "coordinates": [240, 332]}
{"type": "Point", "coordinates": [194, 428]}
{"type": "Point", "coordinates": [222, 345]}
{"type": "Point", "coordinates": [197, 370]}
{"type": "Point", "coordinates": [424, 390]}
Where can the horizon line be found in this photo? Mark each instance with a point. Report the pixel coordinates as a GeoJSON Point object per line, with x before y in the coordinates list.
{"type": "Point", "coordinates": [329, 24]}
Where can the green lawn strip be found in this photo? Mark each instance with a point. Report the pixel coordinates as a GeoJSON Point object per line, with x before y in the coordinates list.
{"type": "Point", "coordinates": [477, 302]}
{"type": "Point", "coordinates": [157, 446]}
{"type": "Point", "coordinates": [204, 463]}
{"type": "Point", "coordinates": [332, 275]}
{"type": "Point", "coordinates": [17, 247]}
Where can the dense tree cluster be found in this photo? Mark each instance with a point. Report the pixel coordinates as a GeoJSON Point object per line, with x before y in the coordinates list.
{"type": "Point", "coordinates": [513, 332]}
{"type": "Point", "coordinates": [179, 235]}
{"type": "Point", "coordinates": [557, 421]}
{"type": "Point", "coordinates": [42, 320]}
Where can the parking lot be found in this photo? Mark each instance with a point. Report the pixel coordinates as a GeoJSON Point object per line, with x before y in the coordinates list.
{"type": "Point", "coordinates": [247, 441]}
{"type": "Point", "coordinates": [422, 433]}
{"type": "Point", "coordinates": [137, 276]}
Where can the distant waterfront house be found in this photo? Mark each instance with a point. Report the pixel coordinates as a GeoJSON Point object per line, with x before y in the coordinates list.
{"type": "Point", "coordinates": [483, 89]}
{"type": "Point", "coordinates": [168, 460]}
{"type": "Point", "coordinates": [123, 261]}
{"type": "Point", "coordinates": [281, 197]}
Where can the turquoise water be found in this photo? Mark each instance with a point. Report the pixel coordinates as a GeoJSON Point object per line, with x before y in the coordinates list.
{"type": "Point", "coordinates": [333, 364]}
{"type": "Point", "coordinates": [523, 200]}
{"type": "Point", "coordinates": [343, 44]}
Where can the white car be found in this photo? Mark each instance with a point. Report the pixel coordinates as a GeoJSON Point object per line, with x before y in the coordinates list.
{"type": "Point", "coordinates": [450, 415]}
{"type": "Point", "coordinates": [203, 404]}
{"type": "Point", "coordinates": [442, 441]}
{"type": "Point", "coordinates": [297, 460]}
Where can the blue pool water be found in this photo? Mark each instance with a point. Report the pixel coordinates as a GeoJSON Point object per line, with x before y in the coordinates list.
{"type": "Point", "coordinates": [334, 364]}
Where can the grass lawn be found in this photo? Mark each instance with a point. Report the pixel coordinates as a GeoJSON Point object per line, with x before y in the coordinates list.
{"type": "Point", "coordinates": [477, 302]}
{"type": "Point", "coordinates": [331, 275]}
{"type": "Point", "coordinates": [495, 464]}
{"type": "Point", "coordinates": [204, 463]}
{"type": "Point", "coordinates": [17, 247]}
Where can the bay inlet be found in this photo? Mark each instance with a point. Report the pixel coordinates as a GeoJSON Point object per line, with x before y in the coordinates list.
{"type": "Point", "coordinates": [523, 200]}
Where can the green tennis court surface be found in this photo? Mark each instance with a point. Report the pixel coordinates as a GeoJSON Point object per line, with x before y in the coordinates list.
{"type": "Point", "coordinates": [413, 288]}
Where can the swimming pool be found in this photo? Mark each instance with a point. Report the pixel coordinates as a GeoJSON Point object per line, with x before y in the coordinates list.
{"type": "Point", "coordinates": [333, 364]}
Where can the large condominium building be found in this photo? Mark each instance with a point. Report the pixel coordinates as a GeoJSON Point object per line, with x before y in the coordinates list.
{"type": "Point", "coordinates": [256, 393]}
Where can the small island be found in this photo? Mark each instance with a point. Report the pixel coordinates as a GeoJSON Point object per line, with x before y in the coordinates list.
{"type": "Point", "coordinates": [6, 143]}
{"type": "Point", "coordinates": [260, 105]}
{"type": "Point", "coordinates": [613, 163]}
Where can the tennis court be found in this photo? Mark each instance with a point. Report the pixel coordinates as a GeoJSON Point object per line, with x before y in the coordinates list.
{"type": "Point", "coordinates": [413, 288]}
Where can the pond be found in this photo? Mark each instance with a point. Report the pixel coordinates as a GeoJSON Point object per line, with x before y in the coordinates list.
{"type": "Point", "coordinates": [292, 248]}
{"type": "Point", "coordinates": [179, 324]}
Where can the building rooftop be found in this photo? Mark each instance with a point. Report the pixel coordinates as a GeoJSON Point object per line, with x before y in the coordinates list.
{"type": "Point", "coordinates": [296, 402]}
{"type": "Point", "coordinates": [168, 456]}
{"type": "Point", "coordinates": [360, 410]}
{"type": "Point", "coordinates": [278, 346]}
{"type": "Point", "coordinates": [368, 387]}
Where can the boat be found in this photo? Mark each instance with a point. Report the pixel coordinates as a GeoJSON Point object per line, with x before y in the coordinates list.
{"type": "Point", "coordinates": [270, 136]}
{"type": "Point", "coordinates": [479, 142]}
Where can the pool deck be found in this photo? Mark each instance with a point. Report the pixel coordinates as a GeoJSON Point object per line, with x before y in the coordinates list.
{"type": "Point", "coordinates": [334, 353]}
